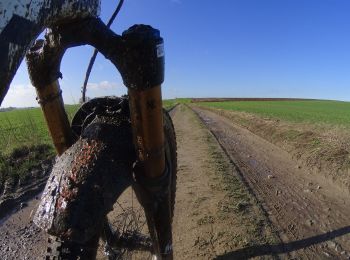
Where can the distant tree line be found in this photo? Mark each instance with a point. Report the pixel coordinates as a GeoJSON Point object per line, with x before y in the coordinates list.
{"type": "Point", "coordinates": [6, 109]}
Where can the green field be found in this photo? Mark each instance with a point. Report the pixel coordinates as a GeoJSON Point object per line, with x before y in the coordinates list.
{"type": "Point", "coordinates": [27, 127]}
{"type": "Point", "coordinates": [169, 103]}
{"type": "Point", "coordinates": [23, 139]}
{"type": "Point", "coordinates": [314, 111]}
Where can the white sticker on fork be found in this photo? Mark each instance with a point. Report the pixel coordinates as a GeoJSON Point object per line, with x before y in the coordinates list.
{"type": "Point", "coordinates": [160, 50]}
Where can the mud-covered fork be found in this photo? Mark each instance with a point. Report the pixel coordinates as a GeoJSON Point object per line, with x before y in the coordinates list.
{"type": "Point", "coordinates": [143, 75]}
{"type": "Point", "coordinates": [139, 56]}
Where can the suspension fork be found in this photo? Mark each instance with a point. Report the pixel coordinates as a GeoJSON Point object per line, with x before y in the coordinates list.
{"type": "Point", "coordinates": [43, 67]}
{"type": "Point", "coordinates": [152, 188]}
{"type": "Point", "coordinates": [142, 69]}
{"type": "Point", "coordinates": [143, 74]}
{"type": "Point", "coordinates": [139, 56]}
{"type": "Point", "coordinates": [147, 123]}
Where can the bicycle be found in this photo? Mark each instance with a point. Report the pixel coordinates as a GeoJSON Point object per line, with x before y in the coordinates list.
{"type": "Point", "coordinates": [112, 143]}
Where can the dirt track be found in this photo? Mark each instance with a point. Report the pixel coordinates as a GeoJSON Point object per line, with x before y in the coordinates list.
{"type": "Point", "coordinates": [216, 216]}
{"type": "Point", "coordinates": [310, 214]}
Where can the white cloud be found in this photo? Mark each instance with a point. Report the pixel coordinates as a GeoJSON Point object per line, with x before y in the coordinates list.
{"type": "Point", "coordinates": [24, 95]}
{"type": "Point", "coordinates": [105, 88]}
{"type": "Point", "coordinates": [103, 85]}
{"type": "Point", "coordinates": [20, 95]}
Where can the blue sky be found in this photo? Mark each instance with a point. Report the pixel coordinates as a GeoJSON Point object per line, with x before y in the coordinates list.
{"type": "Point", "coordinates": [224, 48]}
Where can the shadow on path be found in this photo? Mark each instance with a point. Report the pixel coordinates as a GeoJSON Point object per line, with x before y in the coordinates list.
{"type": "Point", "coordinates": [261, 250]}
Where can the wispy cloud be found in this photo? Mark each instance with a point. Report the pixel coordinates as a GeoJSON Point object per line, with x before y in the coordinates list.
{"type": "Point", "coordinates": [176, 1]}
{"type": "Point", "coordinates": [103, 85]}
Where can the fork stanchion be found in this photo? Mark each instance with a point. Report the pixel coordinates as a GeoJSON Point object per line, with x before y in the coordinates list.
{"type": "Point", "coordinates": [147, 123]}
{"type": "Point", "coordinates": [51, 102]}
{"type": "Point", "coordinates": [142, 68]}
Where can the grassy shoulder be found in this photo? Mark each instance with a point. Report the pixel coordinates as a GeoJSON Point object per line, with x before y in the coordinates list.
{"type": "Point", "coordinates": [23, 166]}
{"type": "Point", "coordinates": [320, 141]}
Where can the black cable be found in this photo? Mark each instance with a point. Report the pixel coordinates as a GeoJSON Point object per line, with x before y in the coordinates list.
{"type": "Point", "coordinates": [93, 57]}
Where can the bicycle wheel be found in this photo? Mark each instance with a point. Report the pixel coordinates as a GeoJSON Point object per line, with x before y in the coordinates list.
{"type": "Point", "coordinates": [124, 234]}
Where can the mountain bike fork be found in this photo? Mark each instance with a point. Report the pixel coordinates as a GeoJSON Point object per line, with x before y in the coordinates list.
{"type": "Point", "coordinates": [139, 56]}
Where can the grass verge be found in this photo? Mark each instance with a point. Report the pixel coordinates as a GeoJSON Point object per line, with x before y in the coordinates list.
{"type": "Point", "coordinates": [23, 166]}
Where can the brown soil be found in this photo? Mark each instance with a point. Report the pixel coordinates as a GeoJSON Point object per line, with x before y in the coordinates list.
{"type": "Point", "coordinates": [321, 148]}
{"type": "Point", "coordinates": [214, 213]}
{"type": "Point", "coordinates": [309, 213]}
{"type": "Point", "coordinates": [20, 238]}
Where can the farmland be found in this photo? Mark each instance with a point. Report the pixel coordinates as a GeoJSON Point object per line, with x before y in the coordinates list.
{"type": "Point", "coordinates": [313, 129]}
{"type": "Point", "coordinates": [299, 172]}
{"type": "Point", "coordinates": [25, 142]}
{"type": "Point", "coordinates": [315, 132]}
{"type": "Point", "coordinates": [255, 171]}
{"type": "Point", "coordinates": [27, 127]}
{"type": "Point", "coordinates": [25, 146]}
{"type": "Point", "coordinates": [169, 103]}
{"type": "Point", "coordinates": [313, 111]}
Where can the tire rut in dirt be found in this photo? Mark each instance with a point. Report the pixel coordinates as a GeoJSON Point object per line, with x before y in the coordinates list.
{"type": "Point", "coordinates": [301, 214]}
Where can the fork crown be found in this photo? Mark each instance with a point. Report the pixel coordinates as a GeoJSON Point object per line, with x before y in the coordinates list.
{"type": "Point", "coordinates": [142, 64]}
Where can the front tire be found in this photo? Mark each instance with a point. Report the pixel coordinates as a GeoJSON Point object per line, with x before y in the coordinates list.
{"type": "Point", "coordinates": [63, 249]}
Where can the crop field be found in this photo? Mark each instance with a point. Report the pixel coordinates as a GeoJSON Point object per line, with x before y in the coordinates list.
{"type": "Point", "coordinates": [313, 111]}
{"type": "Point", "coordinates": [23, 133]}
{"type": "Point", "coordinates": [298, 166]}
{"type": "Point", "coordinates": [27, 127]}
{"type": "Point", "coordinates": [314, 130]}
{"type": "Point", "coordinates": [169, 103]}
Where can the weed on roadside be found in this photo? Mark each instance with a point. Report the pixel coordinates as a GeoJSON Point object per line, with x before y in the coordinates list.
{"type": "Point", "coordinates": [22, 166]}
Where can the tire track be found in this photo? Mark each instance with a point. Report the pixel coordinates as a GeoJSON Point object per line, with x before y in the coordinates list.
{"type": "Point", "coordinates": [311, 221]}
